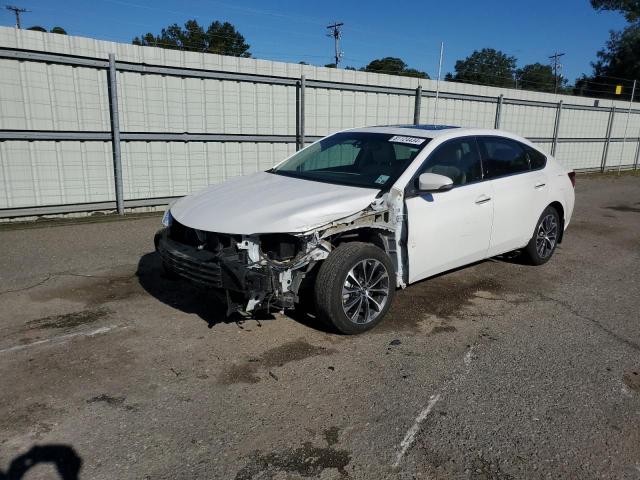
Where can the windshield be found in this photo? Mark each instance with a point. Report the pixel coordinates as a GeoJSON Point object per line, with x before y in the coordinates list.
{"type": "Point", "coordinates": [361, 159]}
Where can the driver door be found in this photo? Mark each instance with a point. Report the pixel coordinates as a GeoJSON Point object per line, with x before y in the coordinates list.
{"type": "Point", "coordinates": [451, 228]}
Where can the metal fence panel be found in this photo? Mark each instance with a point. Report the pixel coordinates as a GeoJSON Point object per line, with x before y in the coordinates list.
{"type": "Point", "coordinates": [580, 155]}
{"type": "Point", "coordinates": [528, 121]}
{"type": "Point", "coordinates": [465, 113]}
{"type": "Point", "coordinates": [190, 119]}
{"type": "Point", "coordinates": [583, 123]}
{"type": "Point", "coordinates": [170, 169]}
{"type": "Point", "coordinates": [55, 173]}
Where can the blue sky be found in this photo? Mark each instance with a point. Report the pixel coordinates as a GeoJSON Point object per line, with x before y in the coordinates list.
{"type": "Point", "coordinates": [412, 30]}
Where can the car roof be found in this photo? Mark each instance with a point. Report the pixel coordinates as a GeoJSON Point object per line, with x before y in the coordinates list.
{"type": "Point", "coordinates": [430, 131]}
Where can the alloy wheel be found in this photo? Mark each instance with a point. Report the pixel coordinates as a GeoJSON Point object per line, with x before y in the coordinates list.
{"type": "Point", "coordinates": [365, 291]}
{"type": "Point", "coordinates": [547, 236]}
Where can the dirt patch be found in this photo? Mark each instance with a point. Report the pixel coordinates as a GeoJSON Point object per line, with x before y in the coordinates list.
{"type": "Point", "coordinates": [444, 297]}
{"type": "Point", "coordinates": [306, 461]}
{"type": "Point", "coordinates": [444, 329]}
{"type": "Point", "coordinates": [31, 417]}
{"type": "Point", "coordinates": [68, 321]}
{"type": "Point", "coordinates": [599, 229]}
{"type": "Point", "coordinates": [112, 401]}
{"type": "Point", "coordinates": [93, 290]}
{"type": "Point", "coordinates": [276, 357]}
{"type": "Point", "coordinates": [625, 208]}
{"type": "Point", "coordinates": [331, 435]}
{"type": "Point", "coordinates": [483, 468]}
{"type": "Point", "coordinates": [632, 380]}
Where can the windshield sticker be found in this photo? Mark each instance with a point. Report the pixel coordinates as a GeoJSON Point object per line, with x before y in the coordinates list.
{"type": "Point", "coordinates": [382, 179]}
{"type": "Point", "coordinates": [409, 140]}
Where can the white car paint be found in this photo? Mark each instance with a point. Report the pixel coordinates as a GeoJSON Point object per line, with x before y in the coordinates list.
{"type": "Point", "coordinates": [448, 229]}
{"type": "Point", "coordinates": [443, 230]}
{"type": "Point", "coordinates": [266, 203]}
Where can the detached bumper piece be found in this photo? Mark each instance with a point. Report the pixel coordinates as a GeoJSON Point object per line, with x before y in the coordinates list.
{"type": "Point", "coordinates": [197, 266]}
{"type": "Point", "coordinates": [223, 270]}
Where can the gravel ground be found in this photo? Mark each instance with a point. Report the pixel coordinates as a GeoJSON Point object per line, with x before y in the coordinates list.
{"type": "Point", "coordinates": [498, 370]}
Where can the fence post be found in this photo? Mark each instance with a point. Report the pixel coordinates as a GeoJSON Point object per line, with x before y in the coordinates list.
{"type": "Point", "coordinates": [300, 113]}
{"type": "Point", "coordinates": [115, 133]}
{"type": "Point", "coordinates": [605, 151]}
{"type": "Point", "coordinates": [556, 129]}
{"type": "Point", "coordinates": [498, 111]}
{"type": "Point", "coordinates": [416, 107]}
{"type": "Point", "coordinates": [635, 163]}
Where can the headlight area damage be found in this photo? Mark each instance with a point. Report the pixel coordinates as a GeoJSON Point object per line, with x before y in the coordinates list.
{"type": "Point", "coordinates": [266, 271]}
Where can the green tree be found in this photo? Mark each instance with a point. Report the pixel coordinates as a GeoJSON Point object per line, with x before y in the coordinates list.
{"type": "Point", "coordinates": [629, 8]}
{"type": "Point", "coordinates": [485, 67]}
{"type": "Point", "coordinates": [538, 77]}
{"type": "Point", "coordinates": [220, 38]}
{"type": "Point", "coordinates": [38, 28]}
{"type": "Point", "coordinates": [393, 66]}
{"type": "Point", "coordinates": [620, 57]}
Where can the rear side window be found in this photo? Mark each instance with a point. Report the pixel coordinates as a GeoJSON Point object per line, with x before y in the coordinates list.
{"type": "Point", "coordinates": [501, 156]}
{"type": "Point", "coordinates": [536, 159]}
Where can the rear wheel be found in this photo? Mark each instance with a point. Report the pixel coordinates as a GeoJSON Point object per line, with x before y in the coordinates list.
{"type": "Point", "coordinates": [545, 237]}
{"type": "Point", "coordinates": [354, 287]}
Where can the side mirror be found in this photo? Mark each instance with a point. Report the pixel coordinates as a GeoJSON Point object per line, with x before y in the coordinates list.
{"type": "Point", "coordinates": [432, 182]}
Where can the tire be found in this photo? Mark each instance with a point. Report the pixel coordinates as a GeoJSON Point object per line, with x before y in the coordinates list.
{"type": "Point", "coordinates": [355, 277]}
{"type": "Point", "coordinates": [545, 237]}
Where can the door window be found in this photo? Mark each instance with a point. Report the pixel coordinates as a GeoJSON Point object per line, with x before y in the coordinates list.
{"type": "Point", "coordinates": [457, 159]}
{"type": "Point", "coordinates": [536, 159]}
{"type": "Point", "coordinates": [501, 156]}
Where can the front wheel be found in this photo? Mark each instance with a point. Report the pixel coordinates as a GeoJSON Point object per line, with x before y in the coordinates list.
{"type": "Point", "coordinates": [354, 287]}
{"type": "Point", "coordinates": [545, 237]}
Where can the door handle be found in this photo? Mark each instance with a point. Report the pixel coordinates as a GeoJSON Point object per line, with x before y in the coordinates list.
{"type": "Point", "coordinates": [483, 199]}
{"type": "Point", "coordinates": [540, 185]}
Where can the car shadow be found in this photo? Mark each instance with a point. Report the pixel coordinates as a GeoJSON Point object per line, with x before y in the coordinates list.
{"type": "Point", "coordinates": [67, 462]}
{"type": "Point", "coordinates": [191, 299]}
{"type": "Point", "coordinates": [180, 294]}
{"type": "Point", "coordinates": [516, 257]}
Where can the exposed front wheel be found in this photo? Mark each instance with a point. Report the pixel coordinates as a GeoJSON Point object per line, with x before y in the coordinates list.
{"type": "Point", "coordinates": [354, 287]}
{"type": "Point", "coordinates": [545, 237]}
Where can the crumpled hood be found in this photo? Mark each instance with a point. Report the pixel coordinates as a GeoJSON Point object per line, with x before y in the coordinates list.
{"type": "Point", "coordinates": [267, 203]}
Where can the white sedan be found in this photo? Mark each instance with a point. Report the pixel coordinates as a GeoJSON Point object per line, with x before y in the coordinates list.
{"type": "Point", "coordinates": [354, 216]}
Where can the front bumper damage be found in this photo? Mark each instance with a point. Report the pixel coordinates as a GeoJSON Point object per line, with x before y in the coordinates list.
{"type": "Point", "coordinates": [263, 272]}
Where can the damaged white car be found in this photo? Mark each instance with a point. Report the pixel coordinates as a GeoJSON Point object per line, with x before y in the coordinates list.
{"type": "Point", "coordinates": [363, 212]}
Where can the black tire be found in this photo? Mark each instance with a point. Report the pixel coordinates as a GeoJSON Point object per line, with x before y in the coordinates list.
{"type": "Point", "coordinates": [535, 254]}
{"type": "Point", "coordinates": [332, 277]}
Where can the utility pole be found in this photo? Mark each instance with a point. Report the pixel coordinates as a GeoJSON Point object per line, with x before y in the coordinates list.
{"type": "Point", "coordinates": [336, 34]}
{"type": "Point", "coordinates": [17, 11]}
{"type": "Point", "coordinates": [557, 66]}
{"type": "Point", "coordinates": [435, 110]}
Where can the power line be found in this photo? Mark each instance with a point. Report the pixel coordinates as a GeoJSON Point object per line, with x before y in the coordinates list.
{"type": "Point", "coordinates": [17, 11]}
{"type": "Point", "coordinates": [336, 34]}
{"type": "Point", "coordinates": [556, 66]}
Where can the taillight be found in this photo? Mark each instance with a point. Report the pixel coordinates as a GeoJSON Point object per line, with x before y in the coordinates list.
{"type": "Point", "coordinates": [572, 177]}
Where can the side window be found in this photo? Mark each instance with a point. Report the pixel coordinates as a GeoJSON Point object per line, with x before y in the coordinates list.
{"type": "Point", "coordinates": [457, 159]}
{"type": "Point", "coordinates": [536, 158]}
{"type": "Point", "coordinates": [501, 156]}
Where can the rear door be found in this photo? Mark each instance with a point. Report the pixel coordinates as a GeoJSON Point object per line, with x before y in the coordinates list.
{"type": "Point", "coordinates": [519, 193]}
{"type": "Point", "coordinates": [449, 229]}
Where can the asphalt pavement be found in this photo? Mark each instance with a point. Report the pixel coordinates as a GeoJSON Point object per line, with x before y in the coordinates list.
{"type": "Point", "coordinates": [495, 371]}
